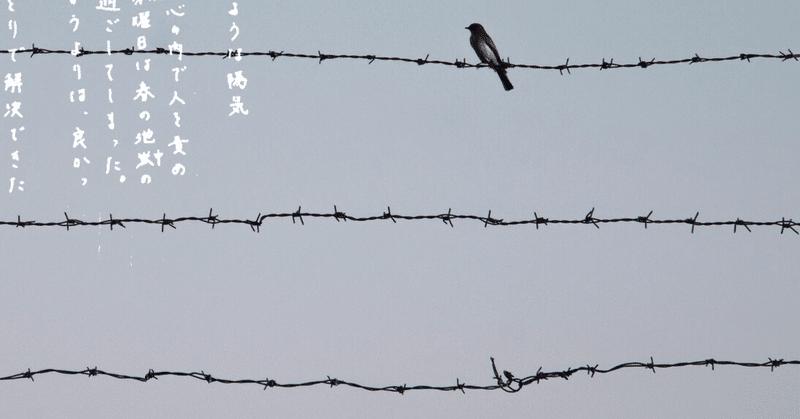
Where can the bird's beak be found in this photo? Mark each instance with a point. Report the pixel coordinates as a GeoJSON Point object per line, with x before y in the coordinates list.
{"type": "Point", "coordinates": [466, 28]}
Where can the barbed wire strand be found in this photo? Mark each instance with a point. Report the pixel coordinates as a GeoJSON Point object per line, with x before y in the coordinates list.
{"type": "Point", "coordinates": [508, 382]}
{"type": "Point", "coordinates": [448, 218]}
{"type": "Point", "coordinates": [604, 65]}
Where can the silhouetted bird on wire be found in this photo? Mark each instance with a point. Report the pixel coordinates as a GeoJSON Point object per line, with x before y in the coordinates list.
{"type": "Point", "coordinates": [484, 46]}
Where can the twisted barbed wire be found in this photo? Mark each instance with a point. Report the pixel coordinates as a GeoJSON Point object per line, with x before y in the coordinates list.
{"type": "Point", "coordinates": [508, 382]}
{"type": "Point", "coordinates": [604, 65]}
{"type": "Point", "coordinates": [448, 218]}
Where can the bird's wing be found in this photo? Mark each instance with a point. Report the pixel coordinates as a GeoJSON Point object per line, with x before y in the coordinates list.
{"type": "Point", "coordinates": [494, 52]}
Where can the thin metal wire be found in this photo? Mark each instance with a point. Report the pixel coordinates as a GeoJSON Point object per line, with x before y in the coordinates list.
{"type": "Point", "coordinates": [604, 65]}
{"type": "Point", "coordinates": [256, 223]}
{"type": "Point", "coordinates": [508, 382]}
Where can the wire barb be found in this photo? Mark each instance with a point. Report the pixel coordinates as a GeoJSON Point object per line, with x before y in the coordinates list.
{"type": "Point", "coordinates": [590, 219]}
{"type": "Point", "coordinates": [693, 222]}
{"type": "Point", "coordinates": [645, 220]}
{"type": "Point", "coordinates": [68, 221]}
{"type": "Point", "coordinates": [741, 223]}
{"type": "Point", "coordinates": [447, 219]}
{"type": "Point", "coordinates": [561, 68]}
{"type": "Point", "coordinates": [788, 224]}
{"type": "Point", "coordinates": [339, 215]}
{"type": "Point", "coordinates": [21, 223]}
{"type": "Point", "coordinates": [389, 215]}
{"type": "Point", "coordinates": [212, 219]}
{"type": "Point", "coordinates": [790, 55]}
{"type": "Point", "coordinates": [645, 64]}
{"type": "Point", "coordinates": [256, 223]}
{"type": "Point", "coordinates": [164, 222]}
{"type": "Point", "coordinates": [299, 215]}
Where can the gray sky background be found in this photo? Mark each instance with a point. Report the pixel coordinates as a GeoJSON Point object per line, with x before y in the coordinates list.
{"type": "Point", "coordinates": [414, 302]}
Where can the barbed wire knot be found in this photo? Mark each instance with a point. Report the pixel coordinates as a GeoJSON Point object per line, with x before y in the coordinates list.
{"type": "Point", "coordinates": [21, 223]}
{"type": "Point", "coordinates": [591, 370]}
{"type": "Point", "coordinates": [333, 381]}
{"type": "Point", "coordinates": [297, 214]}
{"type": "Point", "coordinates": [561, 68]}
{"type": "Point", "coordinates": [459, 386]}
{"type": "Point", "coordinates": [111, 222]}
{"type": "Point", "coordinates": [645, 64]}
{"type": "Point", "coordinates": [389, 215]}
{"type": "Point", "coordinates": [493, 221]}
{"type": "Point", "coordinates": [509, 376]}
{"type": "Point", "coordinates": [697, 59]}
{"type": "Point", "coordinates": [644, 220]}
{"type": "Point", "coordinates": [788, 224]}
{"type": "Point", "coordinates": [256, 223]}
{"type": "Point", "coordinates": [742, 223]}
{"type": "Point", "coordinates": [69, 222]}
{"type": "Point", "coordinates": [211, 219]}
{"type": "Point", "coordinates": [565, 374]}
{"type": "Point", "coordinates": [651, 365]}
{"type": "Point", "coordinates": [539, 376]}
{"type": "Point", "coordinates": [590, 219]}
{"type": "Point", "coordinates": [773, 363]}
{"type": "Point", "coordinates": [791, 55]}
{"type": "Point", "coordinates": [209, 379]}
{"type": "Point", "coordinates": [539, 220]}
{"type": "Point", "coordinates": [447, 218]}
{"type": "Point", "coordinates": [693, 222]}
{"type": "Point", "coordinates": [339, 215]}
{"type": "Point", "coordinates": [164, 222]}
{"type": "Point", "coordinates": [501, 384]}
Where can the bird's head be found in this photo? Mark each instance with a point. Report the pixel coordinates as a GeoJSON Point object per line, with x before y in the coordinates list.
{"type": "Point", "coordinates": [474, 27]}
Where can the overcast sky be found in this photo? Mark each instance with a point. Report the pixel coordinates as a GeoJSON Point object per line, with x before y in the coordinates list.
{"type": "Point", "coordinates": [413, 302]}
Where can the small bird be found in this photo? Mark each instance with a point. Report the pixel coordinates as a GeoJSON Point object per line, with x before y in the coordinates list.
{"type": "Point", "coordinates": [487, 52]}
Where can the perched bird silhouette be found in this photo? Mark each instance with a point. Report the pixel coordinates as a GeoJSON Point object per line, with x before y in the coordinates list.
{"type": "Point", "coordinates": [487, 52]}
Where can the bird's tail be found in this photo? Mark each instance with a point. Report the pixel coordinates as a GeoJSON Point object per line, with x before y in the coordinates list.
{"type": "Point", "coordinates": [504, 78]}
